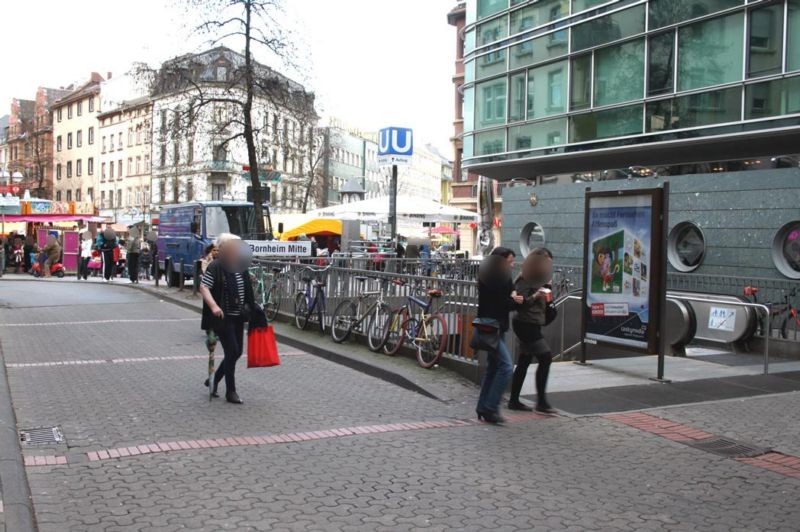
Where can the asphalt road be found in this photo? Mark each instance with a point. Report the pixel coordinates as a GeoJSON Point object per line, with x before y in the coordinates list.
{"type": "Point", "coordinates": [318, 446]}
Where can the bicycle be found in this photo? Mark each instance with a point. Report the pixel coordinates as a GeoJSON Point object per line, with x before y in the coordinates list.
{"type": "Point", "coordinates": [427, 332]}
{"type": "Point", "coordinates": [776, 310]}
{"type": "Point", "coordinates": [562, 285]}
{"type": "Point", "coordinates": [310, 300]}
{"type": "Point", "coordinates": [349, 315]}
{"type": "Point", "coordinates": [269, 296]}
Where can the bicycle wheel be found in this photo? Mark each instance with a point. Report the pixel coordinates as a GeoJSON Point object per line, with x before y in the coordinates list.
{"type": "Point", "coordinates": [300, 311]}
{"type": "Point", "coordinates": [260, 293]}
{"type": "Point", "coordinates": [433, 342]}
{"type": "Point", "coordinates": [272, 303]}
{"type": "Point", "coordinates": [343, 321]}
{"type": "Point", "coordinates": [396, 331]}
{"type": "Point", "coordinates": [378, 328]}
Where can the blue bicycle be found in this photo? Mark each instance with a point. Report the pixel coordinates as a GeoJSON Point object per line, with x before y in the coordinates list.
{"type": "Point", "coordinates": [309, 303]}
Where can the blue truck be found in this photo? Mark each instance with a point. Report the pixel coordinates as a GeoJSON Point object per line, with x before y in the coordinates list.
{"type": "Point", "coordinates": [186, 229]}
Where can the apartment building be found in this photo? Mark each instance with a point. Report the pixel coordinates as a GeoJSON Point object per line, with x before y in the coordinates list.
{"type": "Point", "coordinates": [75, 148]}
{"type": "Point", "coordinates": [125, 166]}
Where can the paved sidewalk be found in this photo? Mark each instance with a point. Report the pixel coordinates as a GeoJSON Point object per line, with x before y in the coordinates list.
{"type": "Point", "coordinates": [318, 446]}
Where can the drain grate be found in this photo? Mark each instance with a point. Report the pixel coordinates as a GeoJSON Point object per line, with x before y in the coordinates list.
{"type": "Point", "coordinates": [41, 436]}
{"type": "Point", "coordinates": [729, 448]}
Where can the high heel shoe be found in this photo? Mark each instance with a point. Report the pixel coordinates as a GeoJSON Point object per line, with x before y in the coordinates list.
{"type": "Point", "coordinates": [213, 393]}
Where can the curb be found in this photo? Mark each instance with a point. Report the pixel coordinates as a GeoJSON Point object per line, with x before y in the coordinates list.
{"type": "Point", "coordinates": [316, 349]}
{"type": "Point", "coordinates": [18, 513]}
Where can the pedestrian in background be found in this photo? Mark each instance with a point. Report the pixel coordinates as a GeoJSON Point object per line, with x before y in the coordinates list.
{"type": "Point", "coordinates": [86, 256]}
{"type": "Point", "coordinates": [533, 285]}
{"type": "Point", "coordinates": [132, 258]}
{"type": "Point", "coordinates": [145, 259]}
{"type": "Point", "coordinates": [107, 244]}
{"type": "Point", "coordinates": [227, 299]}
{"type": "Point", "coordinates": [209, 254]}
{"type": "Point", "coordinates": [496, 298]}
{"type": "Point", "coordinates": [52, 251]}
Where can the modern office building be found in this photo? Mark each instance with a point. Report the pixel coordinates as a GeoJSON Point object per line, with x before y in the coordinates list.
{"type": "Point", "coordinates": [555, 85]}
{"type": "Point", "coordinates": [703, 93]}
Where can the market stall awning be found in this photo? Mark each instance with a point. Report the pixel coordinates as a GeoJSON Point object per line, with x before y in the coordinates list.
{"type": "Point", "coordinates": [53, 218]}
{"type": "Point", "coordinates": [410, 209]}
{"type": "Point", "coordinates": [320, 227]}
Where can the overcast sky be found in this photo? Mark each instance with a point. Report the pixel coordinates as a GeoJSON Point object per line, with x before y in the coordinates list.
{"type": "Point", "coordinates": [371, 62]}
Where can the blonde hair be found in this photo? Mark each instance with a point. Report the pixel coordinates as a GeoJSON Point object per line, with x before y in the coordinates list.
{"type": "Point", "coordinates": [224, 239]}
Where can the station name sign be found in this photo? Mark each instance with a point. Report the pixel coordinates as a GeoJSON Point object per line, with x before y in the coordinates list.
{"type": "Point", "coordinates": [274, 248]}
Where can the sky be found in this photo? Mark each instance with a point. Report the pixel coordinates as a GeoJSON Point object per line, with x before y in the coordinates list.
{"type": "Point", "coordinates": [371, 63]}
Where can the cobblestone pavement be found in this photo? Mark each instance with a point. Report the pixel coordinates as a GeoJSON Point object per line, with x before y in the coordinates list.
{"type": "Point", "coordinates": [561, 473]}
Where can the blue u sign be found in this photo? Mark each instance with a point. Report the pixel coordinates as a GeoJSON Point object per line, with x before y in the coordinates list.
{"type": "Point", "coordinates": [395, 145]}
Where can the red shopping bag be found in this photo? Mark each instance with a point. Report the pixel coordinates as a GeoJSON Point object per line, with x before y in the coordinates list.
{"type": "Point", "coordinates": [262, 349]}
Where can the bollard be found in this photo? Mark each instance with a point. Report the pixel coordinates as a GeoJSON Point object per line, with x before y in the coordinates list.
{"type": "Point", "coordinates": [156, 269]}
{"type": "Point", "coordinates": [196, 277]}
{"type": "Point", "coordinates": [181, 279]}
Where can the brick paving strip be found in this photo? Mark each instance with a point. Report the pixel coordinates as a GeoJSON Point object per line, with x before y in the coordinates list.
{"type": "Point", "coordinates": [776, 462]}
{"type": "Point", "coordinates": [268, 439]}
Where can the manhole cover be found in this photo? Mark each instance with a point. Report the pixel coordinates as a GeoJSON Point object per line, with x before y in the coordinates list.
{"type": "Point", "coordinates": [41, 436]}
{"type": "Point", "coordinates": [729, 448]}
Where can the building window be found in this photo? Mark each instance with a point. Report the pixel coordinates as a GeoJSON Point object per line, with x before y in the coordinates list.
{"type": "Point", "coordinates": [79, 107]}
{"type": "Point", "coordinates": [617, 122]}
{"type": "Point", "coordinates": [130, 165]}
{"type": "Point", "coordinates": [667, 12]}
{"type": "Point", "coordinates": [119, 198]}
{"type": "Point", "coordinates": [146, 163]}
{"type": "Point", "coordinates": [58, 195]}
{"type": "Point", "coordinates": [69, 141]}
{"type": "Point", "coordinates": [102, 171]}
{"type": "Point", "coordinates": [58, 171]}
{"type": "Point", "coordinates": [786, 250]}
{"type": "Point", "coordinates": [102, 199]}
{"type": "Point", "coordinates": [91, 104]}
{"type": "Point", "coordinates": [686, 246]}
{"type": "Point", "coordinates": [79, 138]}
{"type": "Point", "coordinates": [547, 90]}
{"type": "Point", "coordinates": [69, 195]}
{"type": "Point", "coordinates": [138, 164]}
{"type": "Point", "coordinates": [139, 135]}
{"type": "Point", "coordinates": [147, 135]}
{"type": "Point", "coordinates": [619, 73]}
{"type": "Point", "coordinates": [772, 98]}
{"type": "Point", "coordinates": [609, 28]}
{"type": "Point", "coordinates": [130, 136]}
{"type": "Point", "coordinates": [90, 194]}
{"type": "Point", "coordinates": [119, 169]}
{"type": "Point", "coordinates": [110, 170]}
{"type": "Point", "coordinates": [79, 168]}
{"type": "Point", "coordinates": [189, 189]}
{"type": "Point", "coordinates": [78, 193]}
{"type": "Point", "coordinates": [69, 169]}
{"type": "Point", "coordinates": [491, 105]}
{"type": "Point", "coordinates": [90, 166]}
{"type": "Point", "coordinates": [69, 111]}
{"type": "Point", "coordinates": [581, 75]}
{"type": "Point", "coordinates": [58, 115]}
{"type": "Point", "coordinates": [217, 192]}
{"type": "Point", "coordinates": [538, 135]}
{"type": "Point", "coordinates": [518, 86]}
{"type": "Point", "coordinates": [490, 142]}
{"type": "Point", "coordinates": [695, 110]}
{"type": "Point", "coordinates": [163, 155]}
{"type": "Point", "coordinates": [531, 237]}
{"type": "Point", "coordinates": [58, 143]}
{"type": "Point", "coordinates": [128, 197]}
{"type": "Point", "coordinates": [710, 52]}
{"type": "Point", "coordinates": [119, 139]}
{"type": "Point", "coordinates": [91, 133]}
{"type": "Point", "coordinates": [661, 64]}
{"type": "Point", "coordinates": [103, 147]}
{"type": "Point", "coordinates": [766, 41]}
{"type": "Point", "coordinates": [490, 7]}
{"type": "Point", "coordinates": [111, 142]}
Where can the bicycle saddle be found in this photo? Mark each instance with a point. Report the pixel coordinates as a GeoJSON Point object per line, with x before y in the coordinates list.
{"type": "Point", "coordinates": [275, 269]}
{"type": "Point", "coordinates": [435, 293]}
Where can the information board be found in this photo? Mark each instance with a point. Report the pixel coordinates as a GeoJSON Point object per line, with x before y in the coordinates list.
{"type": "Point", "coordinates": [276, 248]}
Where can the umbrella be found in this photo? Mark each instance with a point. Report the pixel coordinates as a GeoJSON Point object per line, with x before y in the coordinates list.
{"type": "Point", "coordinates": [443, 230]}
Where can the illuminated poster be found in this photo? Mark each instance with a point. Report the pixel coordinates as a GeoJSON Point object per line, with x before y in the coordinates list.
{"type": "Point", "coordinates": [618, 257]}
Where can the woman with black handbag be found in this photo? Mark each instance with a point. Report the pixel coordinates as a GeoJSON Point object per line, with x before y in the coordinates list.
{"type": "Point", "coordinates": [496, 298]}
{"type": "Point", "coordinates": [228, 300]}
{"type": "Point", "coordinates": [536, 311]}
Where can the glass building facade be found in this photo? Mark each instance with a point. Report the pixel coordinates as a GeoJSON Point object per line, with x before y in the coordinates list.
{"type": "Point", "coordinates": [545, 78]}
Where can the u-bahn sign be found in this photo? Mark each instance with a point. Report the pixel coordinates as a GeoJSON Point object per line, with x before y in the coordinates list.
{"type": "Point", "coordinates": [395, 146]}
{"type": "Point", "coordinates": [625, 268]}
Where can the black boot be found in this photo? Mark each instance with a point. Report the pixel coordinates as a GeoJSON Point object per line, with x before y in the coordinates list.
{"type": "Point", "coordinates": [233, 397]}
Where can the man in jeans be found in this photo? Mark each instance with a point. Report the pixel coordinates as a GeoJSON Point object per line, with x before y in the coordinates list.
{"type": "Point", "coordinates": [496, 298]}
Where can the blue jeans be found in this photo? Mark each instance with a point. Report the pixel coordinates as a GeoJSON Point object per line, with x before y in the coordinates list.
{"type": "Point", "coordinates": [499, 368]}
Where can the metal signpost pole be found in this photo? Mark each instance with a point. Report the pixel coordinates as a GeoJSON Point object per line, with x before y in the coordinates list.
{"type": "Point", "coordinates": [393, 203]}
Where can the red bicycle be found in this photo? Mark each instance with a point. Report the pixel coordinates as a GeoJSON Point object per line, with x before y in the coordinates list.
{"type": "Point", "coordinates": [780, 313]}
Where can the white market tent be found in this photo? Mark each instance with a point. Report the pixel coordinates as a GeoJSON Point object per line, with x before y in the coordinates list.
{"type": "Point", "coordinates": [409, 209]}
